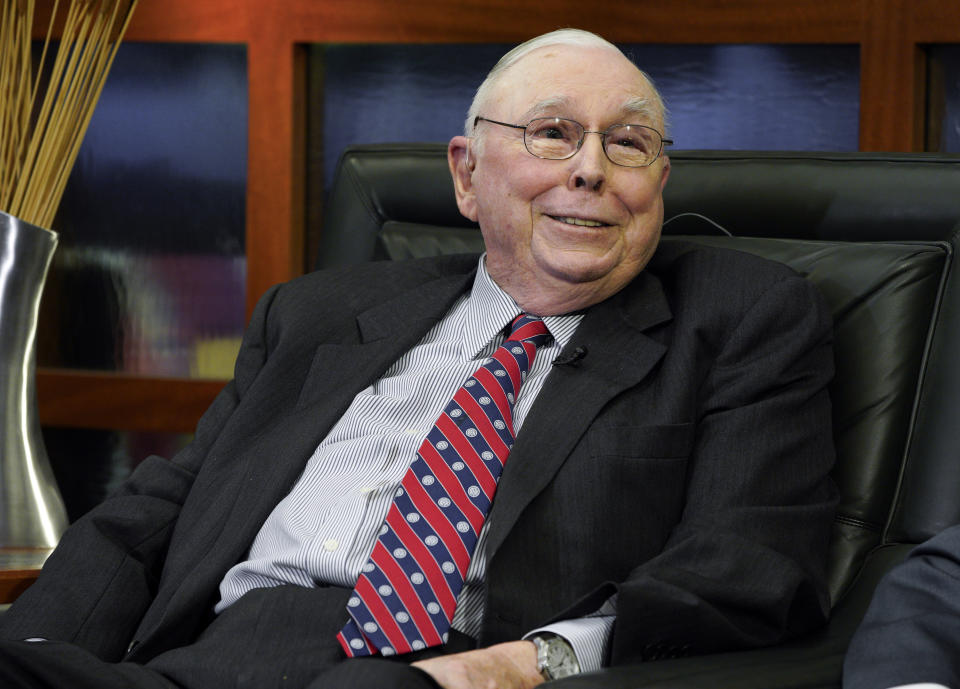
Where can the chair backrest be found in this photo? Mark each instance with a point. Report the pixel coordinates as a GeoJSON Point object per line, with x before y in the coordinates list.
{"type": "Point", "coordinates": [876, 233]}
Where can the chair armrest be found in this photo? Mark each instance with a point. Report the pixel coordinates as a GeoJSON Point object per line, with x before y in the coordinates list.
{"type": "Point", "coordinates": [813, 662]}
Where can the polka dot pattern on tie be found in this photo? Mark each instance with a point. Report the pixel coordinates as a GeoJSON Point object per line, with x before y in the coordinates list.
{"type": "Point", "coordinates": [406, 593]}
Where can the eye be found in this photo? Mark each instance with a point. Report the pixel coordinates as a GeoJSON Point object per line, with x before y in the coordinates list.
{"type": "Point", "coordinates": [631, 138]}
{"type": "Point", "coordinates": [552, 128]}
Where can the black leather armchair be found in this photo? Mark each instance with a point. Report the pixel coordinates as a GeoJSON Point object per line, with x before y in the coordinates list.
{"type": "Point", "coordinates": [877, 233]}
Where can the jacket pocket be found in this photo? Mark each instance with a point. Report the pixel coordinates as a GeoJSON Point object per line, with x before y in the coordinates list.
{"type": "Point", "coordinates": [669, 441]}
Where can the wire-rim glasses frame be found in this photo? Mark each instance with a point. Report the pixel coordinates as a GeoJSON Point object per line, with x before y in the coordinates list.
{"type": "Point", "coordinates": [537, 148]}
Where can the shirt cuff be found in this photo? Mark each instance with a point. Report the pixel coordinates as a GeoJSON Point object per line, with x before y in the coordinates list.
{"type": "Point", "coordinates": [589, 637]}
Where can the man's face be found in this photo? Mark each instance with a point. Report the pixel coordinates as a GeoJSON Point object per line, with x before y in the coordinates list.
{"type": "Point", "coordinates": [562, 234]}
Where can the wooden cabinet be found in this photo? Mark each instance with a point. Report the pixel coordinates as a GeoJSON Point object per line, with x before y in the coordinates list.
{"type": "Point", "coordinates": [891, 35]}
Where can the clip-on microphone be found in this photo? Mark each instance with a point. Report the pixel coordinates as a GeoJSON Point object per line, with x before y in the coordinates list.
{"type": "Point", "coordinates": [572, 359]}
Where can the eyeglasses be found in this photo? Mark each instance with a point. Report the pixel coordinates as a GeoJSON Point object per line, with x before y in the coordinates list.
{"type": "Point", "coordinates": [556, 138]}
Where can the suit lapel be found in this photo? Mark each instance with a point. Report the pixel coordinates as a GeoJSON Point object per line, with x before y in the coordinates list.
{"type": "Point", "coordinates": [275, 457]}
{"type": "Point", "coordinates": [386, 331]}
{"type": "Point", "coordinates": [619, 356]}
{"type": "Point", "coordinates": [338, 372]}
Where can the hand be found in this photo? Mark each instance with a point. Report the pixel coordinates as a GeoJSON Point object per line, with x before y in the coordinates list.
{"type": "Point", "coordinates": [511, 665]}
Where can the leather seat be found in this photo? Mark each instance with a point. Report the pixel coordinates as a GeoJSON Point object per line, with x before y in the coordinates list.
{"type": "Point", "coordinates": [877, 234]}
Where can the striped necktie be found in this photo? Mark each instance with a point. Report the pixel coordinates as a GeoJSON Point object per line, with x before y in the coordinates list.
{"type": "Point", "coordinates": [407, 591]}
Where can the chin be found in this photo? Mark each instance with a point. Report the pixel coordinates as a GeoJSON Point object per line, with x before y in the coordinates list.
{"type": "Point", "coordinates": [580, 271]}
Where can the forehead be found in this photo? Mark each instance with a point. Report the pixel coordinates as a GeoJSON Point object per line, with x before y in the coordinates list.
{"type": "Point", "coordinates": [593, 83]}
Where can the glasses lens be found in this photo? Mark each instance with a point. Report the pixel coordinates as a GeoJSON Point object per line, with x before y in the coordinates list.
{"type": "Point", "coordinates": [552, 137]}
{"type": "Point", "coordinates": [632, 145]}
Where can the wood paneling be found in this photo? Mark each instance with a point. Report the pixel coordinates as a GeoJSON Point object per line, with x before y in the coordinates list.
{"type": "Point", "coordinates": [274, 173]}
{"type": "Point", "coordinates": [891, 35]}
{"type": "Point", "coordinates": [14, 582]}
{"type": "Point", "coordinates": [891, 81]}
{"type": "Point", "coordinates": [19, 568]}
{"type": "Point", "coordinates": [935, 21]}
{"type": "Point", "coordinates": [208, 21]}
{"type": "Point", "coordinates": [81, 399]}
{"type": "Point", "coordinates": [510, 21]}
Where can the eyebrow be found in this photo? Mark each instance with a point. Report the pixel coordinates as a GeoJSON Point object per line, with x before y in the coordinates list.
{"type": "Point", "coordinates": [540, 109]}
{"type": "Point", "coordinates": [638, 107]}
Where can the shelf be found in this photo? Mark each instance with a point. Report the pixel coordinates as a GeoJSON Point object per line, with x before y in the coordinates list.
{"type": "Point", "coordinates": [81, 399]}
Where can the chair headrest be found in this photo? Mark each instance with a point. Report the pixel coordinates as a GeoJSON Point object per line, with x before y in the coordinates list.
{"type": "Point", "coordinates": [830, 196]}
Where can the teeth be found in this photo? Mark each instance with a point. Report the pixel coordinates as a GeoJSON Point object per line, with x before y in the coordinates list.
{"type": "Point", "coordinates": [578, 221]}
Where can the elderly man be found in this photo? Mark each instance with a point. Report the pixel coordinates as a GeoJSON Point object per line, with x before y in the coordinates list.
{"type": "Point", "coordinates": [577, 450]}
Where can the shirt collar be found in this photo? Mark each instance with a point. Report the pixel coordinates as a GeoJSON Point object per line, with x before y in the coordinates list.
{"type": "Point", "coordinates": [489, 309]}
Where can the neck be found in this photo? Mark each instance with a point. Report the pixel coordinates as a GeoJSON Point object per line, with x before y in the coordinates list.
{"type": "Point", "coordinates": [554, 300]}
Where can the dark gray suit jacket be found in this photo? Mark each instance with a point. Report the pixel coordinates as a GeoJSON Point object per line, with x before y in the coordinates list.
{"type": "Point", "coordinates": [682, 465]}
{"type": "Point", "coordinates": [911, 632]}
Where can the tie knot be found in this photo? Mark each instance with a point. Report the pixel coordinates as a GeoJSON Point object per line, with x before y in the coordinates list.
{"type": "Point", "coordinates": [527, 328]}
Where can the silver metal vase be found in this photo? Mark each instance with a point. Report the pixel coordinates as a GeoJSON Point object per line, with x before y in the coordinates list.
{"type": "Point", "coordinates": [32, 514]}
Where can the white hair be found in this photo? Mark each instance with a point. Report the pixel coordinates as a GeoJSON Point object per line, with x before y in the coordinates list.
{"type": "Point", "coordinates": [570, 37]}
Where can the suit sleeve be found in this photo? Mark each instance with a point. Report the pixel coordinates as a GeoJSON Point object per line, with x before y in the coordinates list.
{"type": "Point", "coordinates": [745, 566]}
{"type": "Point", "coordinates": [911, 632]}
{"type": "Point", "coordinates": [96, 585]}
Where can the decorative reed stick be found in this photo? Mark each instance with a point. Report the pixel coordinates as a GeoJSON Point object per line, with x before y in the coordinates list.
{"type": "Point", "coordinates": [44, 115]}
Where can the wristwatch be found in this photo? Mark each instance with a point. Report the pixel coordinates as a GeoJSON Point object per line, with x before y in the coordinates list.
{"type": "Point", "coordinates": [555, 657]}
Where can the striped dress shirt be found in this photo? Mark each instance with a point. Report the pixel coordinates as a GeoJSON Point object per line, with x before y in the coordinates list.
{"type": "Point", "coordinates": [324, 530]}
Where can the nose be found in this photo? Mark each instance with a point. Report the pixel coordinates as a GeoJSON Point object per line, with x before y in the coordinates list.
{"type": "Point", "coordinates": [590, 164]}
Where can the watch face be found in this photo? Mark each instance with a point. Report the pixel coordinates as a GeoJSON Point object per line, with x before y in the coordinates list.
{"type": "Point", "coordinates": [561, 660]}
{"type": "Point", "coordinates": [555, 655]}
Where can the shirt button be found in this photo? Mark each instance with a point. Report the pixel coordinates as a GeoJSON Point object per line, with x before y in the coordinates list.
{"type": "Point", "coordinates": [412, 431]}
{"type": "Point", "coordinates": [331, 544]}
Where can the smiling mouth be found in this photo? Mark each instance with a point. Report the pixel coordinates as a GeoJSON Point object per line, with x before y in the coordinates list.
{"type": "Point", "coordinates": [580, 222]}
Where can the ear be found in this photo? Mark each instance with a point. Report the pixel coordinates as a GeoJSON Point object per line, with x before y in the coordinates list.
{"type": "Point", "coordinates": [664, 173]}
{"type": "Point", "coordinates": [462, 162]}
